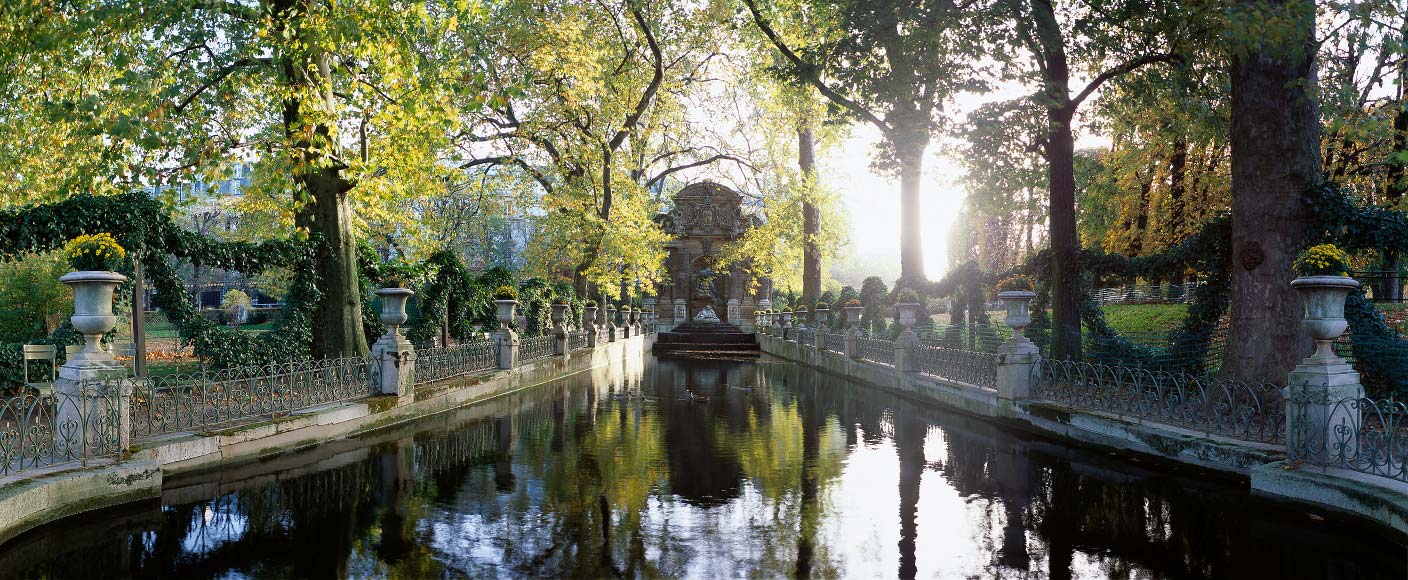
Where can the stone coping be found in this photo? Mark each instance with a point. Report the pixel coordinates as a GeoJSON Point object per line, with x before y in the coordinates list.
{"type": "Point", "coordinates": [37, 497]}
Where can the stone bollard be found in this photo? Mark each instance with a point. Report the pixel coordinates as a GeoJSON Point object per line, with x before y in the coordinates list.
{"type": "Point", "coordinates": [852, 348]}
{"type": "Point", "coordinates": [681, 314]}
{"type": "Point", "coordinates": [904, 345]}
{"type": "Point", "coordinates": [506, 340]}
{"type": "Point", "coordinates": [735, 316]}
{"type": "Point", "coordinates": [92, 388]}
{"type": "Point", "coordinates": [559, 329]}
{"type": "Point", "coordinates": [1019, 358]}
{"type": "Point", "coordinates": [1323, 393]}
{"type": "Point", "coordinates": [393, 353]}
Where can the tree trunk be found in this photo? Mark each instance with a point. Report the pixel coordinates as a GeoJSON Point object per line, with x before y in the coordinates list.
{"type": "Point", "coordinates": [1177, 187]}
{"type": "Point", "coordinates": [337, 318]}
{"type": "Point", "coordinates": [811, 220]}
{"type": "Point", "coordinates": [910, 150]}
{"type": "Point", "coordinates": [1065, 276]}
{"type": "Point", "coordinates": [1275, 139]}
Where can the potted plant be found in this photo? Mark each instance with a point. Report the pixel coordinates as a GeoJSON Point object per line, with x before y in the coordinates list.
{"type": "Point", "coordinates": [93, 280]}
{"type": "Point", "coordinates": [1016, 293]}
{"type": "Point", "coordinates": [1324, 283]}
{"type": "Point", "coordinates": [907, 306]}
{"type": "Point", "coordinates": [505, 298]}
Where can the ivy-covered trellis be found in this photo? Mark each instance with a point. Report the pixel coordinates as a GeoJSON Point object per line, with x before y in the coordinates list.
{"type": "Point", "coordinates": [144, 227]}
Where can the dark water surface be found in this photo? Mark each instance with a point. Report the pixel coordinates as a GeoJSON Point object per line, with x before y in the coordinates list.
{"type": "Point", "coordinates": [780, 472]}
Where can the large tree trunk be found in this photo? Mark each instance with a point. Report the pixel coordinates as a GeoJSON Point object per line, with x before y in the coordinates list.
{"type": "Point", "coordinates": [910, 150]}
{"type": "Point", "coordinates": [1275, 140]}
{"type": "Point", "coordinates": [811, 219]}
{"type": "Point", "coordinates": [1177, 187]}
{"type": "Point", "coordinates": [337, 318]}
{"type": "Point", "coordinates": [1065, 275]}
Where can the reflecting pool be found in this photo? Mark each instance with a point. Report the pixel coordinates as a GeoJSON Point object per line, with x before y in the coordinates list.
{"type": "Point", "coordinates": [703, 469]}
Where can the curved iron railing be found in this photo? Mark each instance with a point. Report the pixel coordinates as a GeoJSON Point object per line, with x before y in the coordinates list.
{"type": "Point", "coordinates": [438, 364]}
{"type": "Point", "coordinates": [835, 342]}
{"type": "Point", "coordinates": [197, 402]}
{"type": "Point", "coordinates": [39, 431]}
{"type": "Point", "coordinates": [1358, 434]}
{"type": "Point", "coordinates": [1250, 411]}
{"type": "Point", "coordinates": [534, 348]}
{"type": "Point", "coordinates": [577, 340]}
{"type": "Point", "coordinates": [974, 368]}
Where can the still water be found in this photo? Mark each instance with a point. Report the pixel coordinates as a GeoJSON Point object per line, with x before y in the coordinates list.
{"type": "Point", "coordinates": [703, 469]}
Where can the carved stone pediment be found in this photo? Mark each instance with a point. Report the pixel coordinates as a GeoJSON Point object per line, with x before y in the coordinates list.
{"type": "Point", "coordinates": [706, 209]}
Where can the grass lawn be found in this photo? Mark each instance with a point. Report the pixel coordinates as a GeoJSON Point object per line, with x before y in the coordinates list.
{"type": "Point", "coordinates": [1145, 318]}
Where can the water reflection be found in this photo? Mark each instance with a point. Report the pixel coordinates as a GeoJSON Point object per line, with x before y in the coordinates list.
{"type": "Point", "coordinates": [702, 469]}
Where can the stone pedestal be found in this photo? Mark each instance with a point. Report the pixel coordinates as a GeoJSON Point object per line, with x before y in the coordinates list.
{"type": "Point", "coordinates": [396, 363]}
{"type": "Point", "coordinates": [1018, 359]}
{"type": "Point", "coordinates": [853, 342]}
{"type": "Point", "coordinates": [506, 345]}
{"type": "Point", "coordinates": [1323, 416]}
{"type": "Point", "coordinates": [94, 397]}
{"type": "Point", "coordinates": [735, 315]}
{"type": "Point", "coordinates": [681, 314]}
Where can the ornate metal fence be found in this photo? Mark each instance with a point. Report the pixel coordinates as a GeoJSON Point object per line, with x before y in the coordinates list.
{"type": "Point", "coordinates": [806, 336]}
{"type": "Point", "coordinates": [577, 340]}
{"type": "Point", "coordinates": [198, 402]}
{"type": "Point", "coordinates": [1250, 411]}
{"type": "Point", "coordinates": [974, 368]}
{"type": "Point", "coordinates": [537, 347]}
{"type": "Point", "coordinates": [835, 342]}
{"type": "Point", "coordinates": [877, 350]}
{"type": "Point", "coordinates": [1358, 434]}
{"type": "Point", "coordinates": [39, 431]}
{"type": "Point", "coordinates": [438, 364]}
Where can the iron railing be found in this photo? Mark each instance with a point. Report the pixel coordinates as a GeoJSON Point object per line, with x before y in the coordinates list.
{"type": "Point", "coordinates": [806, 336]}
{"type": "Point", "coordinates": [577, 340]}
{"type": "Point", "coordinates": [534, 348]}
{"type": "Point", "coordinates": [201, 402]}
{"type": "Point", "coordinates": [38, 431]}
{"type": "Point", "coordinates": [877, 350]}
{"type": "Point", "coordinates": [1353, 433]}
{"type": "Point", "coordinates": [974, 368]}
{"type": "Point", "coordinates": [1249, 411]}
{"type": "Point", "coordinates": [438, 364]}
{"type": "Point", "coordinates": [834, 342]}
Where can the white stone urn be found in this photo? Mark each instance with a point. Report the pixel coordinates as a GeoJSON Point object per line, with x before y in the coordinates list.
{"type": "Point", "coordinates": [1018, 306]}
{"type": "Point", "coordinates": [589, 316]}
{"type": "Point", "coordinates": [853, 315]}
{"type": "Point", "coordinates": [1323, 318]}
{"type": "Point", "coordinates": [504, 312]}
{"type": "Point", "coordinates": [908, 314]}
{"type": "Point", "coordinates": [92, 310]}
{"type": "Point", "coordinates": [822, 317]}
{"type": "Point", "coordinates": [393, 308]}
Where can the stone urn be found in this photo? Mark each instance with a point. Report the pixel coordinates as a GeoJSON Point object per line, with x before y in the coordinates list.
{"type": "Point", "coordinates": [1323, 318]}
{"type": "Point", "coordinates": [823, 316]}
{"type": "Point", "coordinates": [1018, 306]}
{"type": "Point", "coordinates": [908, 314]}
{"type": "Point", "coordinates": [393, 308]}
{"type": "Point", "coordinates": [787, 319]}
{"type": "Point", "coordinates": [504, 312]}
{"type": "Point", "coordinates": [92, 310]}
{"type": "Point", "coordinates": [853, 315]}
{"type": "Point", "coordinates": [589, 316]}
{"type": "Point", "coordinates": [559, 317]}
{"type": "Point", "coordinates": [611, 317]}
